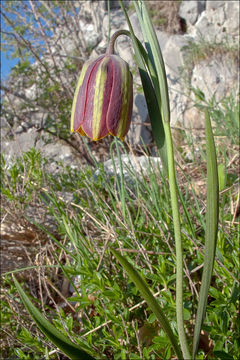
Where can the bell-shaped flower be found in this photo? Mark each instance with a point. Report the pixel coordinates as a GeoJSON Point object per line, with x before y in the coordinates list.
{"type": "Point", "coordinates": [103, 98]}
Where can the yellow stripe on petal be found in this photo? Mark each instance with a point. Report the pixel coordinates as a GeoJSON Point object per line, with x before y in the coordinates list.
{"type": "Point", "coordinates": [125, 100]}
{"type": "Point", "coordinates": [80, 81]}
{"type": "Point", "coordinates": [98, 98]}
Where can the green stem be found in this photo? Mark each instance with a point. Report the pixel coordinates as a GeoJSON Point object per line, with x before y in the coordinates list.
{"type": "Point", "coordinates": [163, 100]}
{"type": "Point", "coordinates": [121, 187]}
{"type": "Point", "coordinates": [110, 49]}
{"type": "Point", "coordinates": [178, 243]}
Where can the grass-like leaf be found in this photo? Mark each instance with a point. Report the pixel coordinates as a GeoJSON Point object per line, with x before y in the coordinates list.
{"type": "Point", "coordinates": [211, 229]}
{"type": "Point", "coordinates": [149, 298]}
{"type": "Point", "coordinates": [155, 55]}
{"type": "Point", "coordinates": [53, 334]}
{"type": "Point", "coordinates": [150, 84]}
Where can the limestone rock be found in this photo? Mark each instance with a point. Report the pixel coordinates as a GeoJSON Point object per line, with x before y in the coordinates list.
{"type": "Point", "coordinates": [22, 143]}
{"type": "Point", "coordinates": [211, 21]}
{"type": "Point", "coordinates": [174, 62]}
{"type": "Point", "coordinates": [217, 77]}
{"type": "Point", "coordinates": [132, 165]}
{"type": "Point", "coordinates": [139, 132]}
{"type": "Point", "coordinates": [190, 10]}
{"type": "Point", "coordinates": [92, 38]}
{"type": "Point", "coordinates": [218, 23]}
{"type": "Point", "coordinates": [214, 4]}
{"type": "Point", "coordinates": [51, 149]}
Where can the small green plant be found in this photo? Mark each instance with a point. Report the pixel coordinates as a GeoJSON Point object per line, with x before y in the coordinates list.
{"type": "Point", "coordinates": [203, 50]}
{"type": "Point", "coordinates": [103, 292]}
{"type": "Point", "coordinates": [149, 313]}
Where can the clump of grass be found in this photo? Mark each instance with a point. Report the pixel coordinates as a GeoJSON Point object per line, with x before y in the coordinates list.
{"type": "Point", "coordinates": [207, 50]}
{"type": "Point", "coordinates": [85, 292]}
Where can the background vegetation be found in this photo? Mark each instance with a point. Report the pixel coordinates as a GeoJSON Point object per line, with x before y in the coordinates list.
{"type": "Point", "coordinates": [59, 226]}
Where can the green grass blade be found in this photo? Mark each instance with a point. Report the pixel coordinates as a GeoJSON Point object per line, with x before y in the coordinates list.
{"type": "Point", "coordinates": [211, 229]}
{"type": "Point", "coordinates": [145, 66]}
{"type": "Point", "coordinates": [155, 54]}
{"type": "Point", "coordinates": [53, 334]}
{"type": "Point", "coordinates": [150, 299]}
{"type": "Point", "coordinates": [178, 244]}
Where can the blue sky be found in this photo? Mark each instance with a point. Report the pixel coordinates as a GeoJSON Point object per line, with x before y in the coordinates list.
{"type": "Point", "coordinates": [6, 65]}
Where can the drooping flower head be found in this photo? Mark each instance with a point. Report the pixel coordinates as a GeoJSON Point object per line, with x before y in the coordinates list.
{"type": "Point", "coordinates": [103, 98]}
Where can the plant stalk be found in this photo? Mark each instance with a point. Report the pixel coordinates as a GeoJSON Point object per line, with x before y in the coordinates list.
{"type": "Point", "coordinates": [178, 242]}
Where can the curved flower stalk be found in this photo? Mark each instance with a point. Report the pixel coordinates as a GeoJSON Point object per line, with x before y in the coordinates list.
{"type": "Point", "coordinates": [103, 98]}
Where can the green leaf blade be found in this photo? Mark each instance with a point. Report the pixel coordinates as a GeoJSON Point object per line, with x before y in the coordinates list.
{"type": "Point", "coordinates": [53, 334]}
{"type": "Point", "coordinates": [212, 215]}
{"type": "Point", "coordinates": [150, 299]}
{"type": "Point", "coordinates": [155, 54]}
{"type": "Point", "coordinates": [150, 84]}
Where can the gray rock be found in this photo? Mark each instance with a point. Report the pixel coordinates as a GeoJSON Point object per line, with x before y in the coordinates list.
{"type": "Point", "coordinates": [117, 21]}
{"type": "Point", "coordinates": [13, 149]}
{"type": "Point", "coordinates": [174, 62]}
{"type": "Point", "coordinates": [190, 10]}
{"type": "Point", "coordinates": [218, 77]}
{"type": "Point", "coordinates": [218, 23]}
{"type": "Point", "coordinates": [31, 92]}
{"type": "Point", "coordinates": [136, 26]}
{"type": "Point", "coordinates": [162, 39]}
{"type": "Point", "coordinates": [139, 133]}
{"type": "Point", "coordinates": [53, 150]}
{"type": "Point", "coordinates": [92, 38]}
{"type": "Point", "coordinates": [131, 165]}
{"type": "Point", "coordinates": [214, 4]}
{"type": "Point", "coordinates": [213, 21]}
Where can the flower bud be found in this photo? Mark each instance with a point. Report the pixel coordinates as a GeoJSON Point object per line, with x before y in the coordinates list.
{"type": "Point", "coordinates": [103, 98]}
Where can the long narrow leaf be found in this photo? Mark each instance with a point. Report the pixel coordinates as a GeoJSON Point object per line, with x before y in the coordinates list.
{"type": "Point", "coordinates": [155, 55]}
{"type": "Point", "coordinates": [155, 116]}
{"type": "Point", "coordinates": [53, 334]}
{"type": "Point", "coordinates": [150, 299]}
{"type": "Point", "coordinates": [211, 229]}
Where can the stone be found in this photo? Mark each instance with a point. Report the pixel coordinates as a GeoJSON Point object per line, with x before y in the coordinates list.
{"type": "Point", "coordinates": [193, 118]}
{"type": "Point", "coordinates": [218, 78]}
{"type": "Point", "coordinates": [117, 21]}
{"type": "Point", "coordinates": [173, 56]}
{"type": "Point", "coordinates": [207, 21]}
{"type": "Point", "coordinates": [162, 39]}
{"type": "Point", "coordinates": [13, 149]}
{"type": "Point", "coordinates": [54, 151]}
{"type": "Point", "coordinates": [231, 23]}
{"type": "Point", "coordinates": [139, 132]}
{"type": "Point", "coordinates": [136, 26]}
{"type": "Point", "coordinates": [190, 10]}
{"type": "Point", "coordinates": [31, 92]}
{"type": "Point", "coordinates": [214, 4]}
{"type": "Point", "coordinates": [132, 165]}
{"type": "Point", "coordinates": [92, 38]}
{"type": "Point", "coordinates": [218, 23]}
